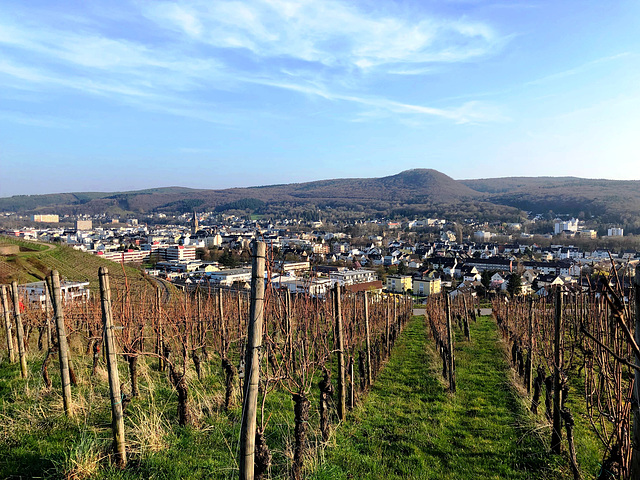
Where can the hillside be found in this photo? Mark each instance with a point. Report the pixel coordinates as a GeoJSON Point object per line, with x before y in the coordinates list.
{"type": "Point", "coordinates": [409, 193]}
{"type": "Point", "coordinates": [416, 191]}
{"type": "Point", "coordinates": [614, 201]}
{"type": "Point", "coordinates": [36, 260]}
{"type": "Point", "coordinates": [424, 184]}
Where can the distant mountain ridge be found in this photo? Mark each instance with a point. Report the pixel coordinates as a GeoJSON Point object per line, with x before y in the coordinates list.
{"type": "Point", "coordinates": [411, 192]}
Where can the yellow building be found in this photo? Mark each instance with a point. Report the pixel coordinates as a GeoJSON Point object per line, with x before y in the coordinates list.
{"type": "Point", "coordinates": [45, 218]}
{"type": "Point", "coordinates": [426, 286]}
{"type": "Point", "coordinates": [398, 283]}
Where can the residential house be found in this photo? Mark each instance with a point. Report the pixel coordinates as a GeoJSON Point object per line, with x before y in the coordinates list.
{"type": "Point", "coordinates": [398, 283]}
{"type": "Point", "coordinates": [470, 274]}
{"type": "Point", "coordinates": [426, 286]}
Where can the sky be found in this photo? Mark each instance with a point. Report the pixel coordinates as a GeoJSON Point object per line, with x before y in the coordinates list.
{"type": "Point", "coordinates": [125, 95]}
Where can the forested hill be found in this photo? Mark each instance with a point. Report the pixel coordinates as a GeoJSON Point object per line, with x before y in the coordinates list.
{"type": "Point", "coordinates": [412, 192]}
{"type": "Point", "coordinates": [612, 201]}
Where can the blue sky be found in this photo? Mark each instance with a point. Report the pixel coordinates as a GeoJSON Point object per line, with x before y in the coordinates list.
{"type": "Point", "coordinates": [105, 96]}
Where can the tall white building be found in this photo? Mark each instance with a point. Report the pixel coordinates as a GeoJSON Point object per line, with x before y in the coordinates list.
{"type": "Point", "coordinates": [569, 225]}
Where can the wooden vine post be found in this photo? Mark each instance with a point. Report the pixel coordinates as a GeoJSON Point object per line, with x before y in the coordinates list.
{"type": "Point", "coordinates": [368, 337]}
{"type": "Point", "coordinates": [117, 418]}
{"type": "Point", "coordinates": [63, 347]}
{"type": "Point", "coordinates": [529, 373]}
{"type": "Point", "coordinates": [160, 337]}
{"type": "Point", "coordinates": [451, 358]}
{"type": "Point", "coordinates": [289, 324]}
{"type": "Point", "coordinates": [48, 308]}
{"type": "Point", "coordinates": [22, 354]}
{"type": "Point", "coordinates": [467, 331]}
{"type": "Point", "coordinates": [252, 367]}
{"type": "Point", "coordinates": [342, 392]}
{"type": "Point", "coordinates": [635, 438]}
{"type": "Point", "coordinates": [387, 327]}
{"type": "Point", "coordinates": [7, 323]}
{"type": "Point", "coordinates": [223, 329]}
{"type": "Point", "coordinates": [556, 432]}
{"type": "Point", "coordinates": [395, 311]}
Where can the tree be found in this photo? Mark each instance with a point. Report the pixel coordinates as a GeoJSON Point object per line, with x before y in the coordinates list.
{"type": "Point", "coordinates": [228, 259]}
{"type": "Point", "coordinates": [515, 284]}
{"type": "Point", "coordinates": [402, 268]}
{"type": "Point", "coordinates": [486, 279]}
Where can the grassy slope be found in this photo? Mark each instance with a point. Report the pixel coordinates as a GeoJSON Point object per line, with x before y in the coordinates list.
{"type": "Point", "coordinates": [36, 260]}
{"type": "Point", "coordinates": [410, 428]}
{"type": "Point", "coordinates": [407, 428]}
{"type": "Point", "coordinates": [36, 441]}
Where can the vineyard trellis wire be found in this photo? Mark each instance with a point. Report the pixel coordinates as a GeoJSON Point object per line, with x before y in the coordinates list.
{"type": "Point", "coordinates": [207, 329]}
{"type": "Point", "coordinates": [581, 339]}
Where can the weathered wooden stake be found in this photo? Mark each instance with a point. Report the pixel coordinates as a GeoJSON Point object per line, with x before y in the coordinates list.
{"type": "Point", "coordinates": [635, 440]}
{"type": "Point", "coordinates": [467, 331]}
{"type": "Point", "coordinates": [352, 385]}
{"type": "Point", "coordinates": [7, 323]}
{"type": "Point", "coordinates": [556, 433]}
{"type": "Point", "coordinates": [117, 419]}
{"type": "Point", "coordinates": [395, 310]}
{"type": "Point", "coordinates": [529, 373]}
{"type": "Point", "coordinates": [48, 308]}
{"type": "Point", "coordinates": [289, 324]}
{"type": "Point", "coordinates": [368, 339]}
{"type": "Point", "coordinates": [387, 328]}
{"type": "Point", "coordinates": [63, 348]}
{"type": "Point", "coordinates": [252, 367]}
{"type": "Point", "coordinates": [159, 338]}
{"type": "Point", "coordinates": [342, 391]}
{"type": "Point", "coordinates": [451, 363]}
{"type": "Point", "coordinates": [573, 459]}
{"type": "Point", "coordinates": [199, 327]}
{"type": "Point", "coordinates": [22, 354]}
{"type": "Point", "coordinates": [223, 326]}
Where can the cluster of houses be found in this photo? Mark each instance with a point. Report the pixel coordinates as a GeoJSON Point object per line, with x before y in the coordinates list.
{"type": "Point", "coordinates": [326, 258]}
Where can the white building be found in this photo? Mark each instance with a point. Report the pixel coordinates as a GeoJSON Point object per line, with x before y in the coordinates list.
{"type": "Point", "coordinates": [181, 252]}
{"type": "Point", "coordinates": [482, 236]}
{"type": "Point", "coordinates": [615, 232]}
{"type": "Point", "coordinates": [71, 291]}
{"type": "Point", "coordinates": [229, 276]}
{"type": "Point", "coordinates": [316, 287]}
{"type": "Point", "coordinates": [351, 277]}
{"type": "Point", "coordinates": [569, 225]}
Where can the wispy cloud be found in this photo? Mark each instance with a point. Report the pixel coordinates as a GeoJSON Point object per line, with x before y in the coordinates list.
{"type": "Point", "coordinates": [578, 69]}
{"type": "Point", "coordinates": [199, 49]}
{"type": "Point", "coordinates": [469, 112]}
{"type": "Point", "coordinates": [331, 33]}
{"type": "Point", "coordinates": [35, 120]}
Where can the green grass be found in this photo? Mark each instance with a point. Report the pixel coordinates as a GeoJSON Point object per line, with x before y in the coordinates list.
{"type": "Point", "coordinates": [37, 441]}
{"type": "Point", "coordinates": [407, 428]}
{"type": "Point", "coordinates": [410, 428]}
{"type": "Point", "coordinates": [72, 265]}
{"type": "Point", "coordinates": [25, 245]}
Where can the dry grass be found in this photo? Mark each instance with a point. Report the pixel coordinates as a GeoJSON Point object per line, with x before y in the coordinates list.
{"type": "Point", "coordinates": [84, 459]}
{"type": "Point", "coordinates": [148, 429]}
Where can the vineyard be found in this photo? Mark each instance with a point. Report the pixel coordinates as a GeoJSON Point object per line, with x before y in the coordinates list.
{"type": "Point", "coordinates": [578, 356]}
{"type": "Point", "coordinates": [184, 364]}
{"type": "Point", "coordinates": [222, 383]}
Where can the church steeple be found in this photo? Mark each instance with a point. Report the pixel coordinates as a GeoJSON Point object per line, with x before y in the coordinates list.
{"type": "Point", "coordinates": [194, 224]}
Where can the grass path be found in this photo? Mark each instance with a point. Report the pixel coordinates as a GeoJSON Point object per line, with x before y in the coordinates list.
{"type": "Point", "coordinates": [410, 428]}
